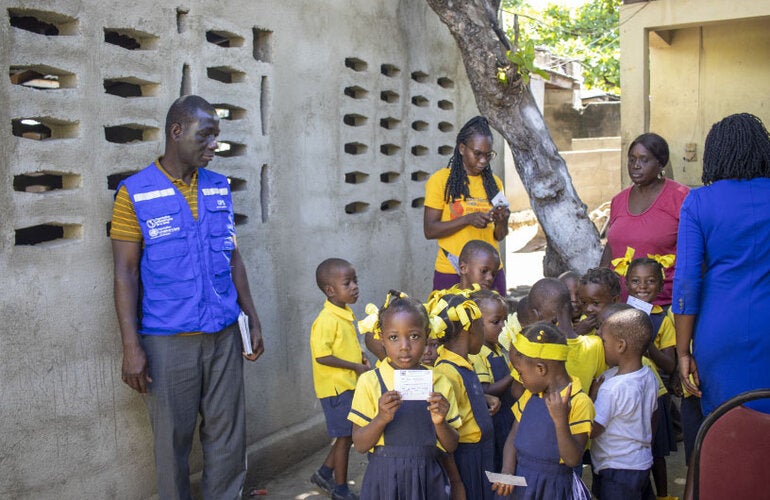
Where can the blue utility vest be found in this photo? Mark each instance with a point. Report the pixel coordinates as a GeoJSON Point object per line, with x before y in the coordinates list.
{"type": "Point", "coordinates": [185, 266]}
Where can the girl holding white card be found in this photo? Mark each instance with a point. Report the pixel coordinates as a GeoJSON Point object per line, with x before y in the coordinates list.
{"type": "Point", "coordinates": [404, 437]}
{"type": "Point", "coordinates": [456, 320]}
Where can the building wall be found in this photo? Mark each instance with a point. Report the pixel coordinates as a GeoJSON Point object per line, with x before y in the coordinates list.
{"type": "Point", "coordinates": [687, 64]}
{"type": "Point", "coordinates": [338, 114]}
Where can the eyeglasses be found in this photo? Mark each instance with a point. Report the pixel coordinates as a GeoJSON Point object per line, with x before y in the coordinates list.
{"type": "Point", "coordinates": [481, 155]}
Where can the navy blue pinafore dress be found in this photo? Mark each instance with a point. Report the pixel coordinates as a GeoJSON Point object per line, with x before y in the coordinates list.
{"type": "Point", "coordinates": [473, 459]}
{"type": "Point", "coordinates": [503, 419]}
{"type": "Point", "coordinates": [407, 467]}
{"type": "Point", "coordinates": [537, 458]}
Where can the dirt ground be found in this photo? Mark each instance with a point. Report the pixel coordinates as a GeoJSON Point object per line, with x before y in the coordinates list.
{"type": "Point", "coordinates": [294, 484]}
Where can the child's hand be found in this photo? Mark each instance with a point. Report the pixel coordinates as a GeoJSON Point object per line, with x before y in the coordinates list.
{"type": "Point", "coordinates": [388, 404]}
{"type": "Point", "coordinates": [365, 362]}
{"type": "Point", "coordinates": [438, 407]}
{"type": "Point", "coordinates": [593, 391]}
{"type": "Point", "coordinates": [363, 367]}
{"type": "Point", "coordinates": [585, 325]}
{"type": "Point", "coordinates": [493, 403]}
{"type": "Point", "coordinates": [558, 405]}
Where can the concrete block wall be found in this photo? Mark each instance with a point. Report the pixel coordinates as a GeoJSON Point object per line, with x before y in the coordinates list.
{"type": "Point", "coordinates": [333, 116]}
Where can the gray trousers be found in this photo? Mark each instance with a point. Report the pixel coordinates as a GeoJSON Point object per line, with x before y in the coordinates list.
{"type": "Point", "coordinates": [192, 375]}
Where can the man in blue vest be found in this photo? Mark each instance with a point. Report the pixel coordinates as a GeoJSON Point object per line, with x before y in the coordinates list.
{"type": "Point", "coordinates": [180, 284]}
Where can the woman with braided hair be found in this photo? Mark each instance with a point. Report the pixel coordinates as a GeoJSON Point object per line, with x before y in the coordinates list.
{"type": "Point", "coordinates": [458, 204]}
{"type": "Point", "coordinates": [722, 281]}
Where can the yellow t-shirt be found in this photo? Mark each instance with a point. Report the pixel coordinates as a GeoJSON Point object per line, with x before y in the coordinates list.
{"type": "Point", "coordinates": [666, 336]}
{"type": "Point", "coordinates": [581, 412]}
{"type": "Point", "coordinates": [368, 391]}
{"type": "Point", "coordinates": [469, 430]}
{"type": "Point", "coordinates": [334, 334]}
{"type": "Point", "coordinates": [125, 226]}
{"type": "Point", "coordinates": [585, 358]}
{"type": "Point", "coordinates": [476, 202]}
{"type": "Point", "coordinates": [481, 366]}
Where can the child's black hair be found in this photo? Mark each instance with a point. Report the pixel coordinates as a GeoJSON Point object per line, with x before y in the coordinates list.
{"type": "Point", "coordinates": [324, 270]}
{"type": "Point", "coordinates": [453, 328]}
{"type": "Point", "coordinates": [457, 182]}
{"type": "Point", "coordinates": [737, 147]}
{"type": "Point", "coordinates": [398, 302]}
{"type": "Point", "coordinates": [480, 296]}
{"type": "Point", "coordinates": [475, 247]}
{"type": "Point", "coordinates": [631, 325]}
{"type": "Point", "coordinates": [646, 261]}
{"type": "Point", "coordinates": [572, 275]}
{"type": "Point", "coordinates": [602, 276]}
{"type": "Point", "coordinates": [544, 333]}
{"type": "Point", "coordinates": [546, 290]}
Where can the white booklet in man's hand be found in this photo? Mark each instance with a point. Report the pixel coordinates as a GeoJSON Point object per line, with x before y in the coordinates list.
{"type": "Point", "coordinates": [243, 325]}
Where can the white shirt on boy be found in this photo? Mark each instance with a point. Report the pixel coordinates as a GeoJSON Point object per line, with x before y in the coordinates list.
{"type": "Point", "coordinates": [624, 407]}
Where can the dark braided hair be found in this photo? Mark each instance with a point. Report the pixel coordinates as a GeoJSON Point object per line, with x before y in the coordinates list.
{"type": "Point", "coordinates": [457, 183]}
{"type": "Point", "coordinates": [737, 147]}
{"type": "Point", "coordinates": [398, 303]}
{"type": "Point", "coordinates": [602, 276]}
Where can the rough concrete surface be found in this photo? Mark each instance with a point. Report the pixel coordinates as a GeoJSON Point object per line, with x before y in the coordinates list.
{"type": "Point", "coordinates": [338, 112]}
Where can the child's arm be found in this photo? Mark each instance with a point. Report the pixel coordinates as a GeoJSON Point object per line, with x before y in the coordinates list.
{"type": "Point", "coordinates": [597, 429]}
{"type": "Point", "coordinates": [364, 438]}
{"type": "Point", "coordinates": [493, 403]}
{"type": "Point", "coordinates": [438, 406]}
{"type": "Point", "coordinates": [498, 388]}
{"type": "Point", "coordinates": [375, 347]}
{"type": "Point", "coordinates": [456, 486]}
{"type": "Point", "coordinates": [571, 446]}
{"type": "Point", "coordinates": [663, 358]}
{"type": "Point", "coordinates": [336, 362]}
{"type": "Point", "coordinates": [509, 461]}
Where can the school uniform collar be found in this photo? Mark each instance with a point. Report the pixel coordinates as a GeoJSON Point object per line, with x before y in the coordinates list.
{"type": "Point", "coordinates": [444, 353]}
{"type": "Point", "coordinates": [656, 309]}
{"type": "Point", "coordinates": [346, 313]}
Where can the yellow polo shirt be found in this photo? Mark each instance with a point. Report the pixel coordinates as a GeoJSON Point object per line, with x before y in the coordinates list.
{"type": "Point", "coordinates": [469, 430]}
{"type": "Point", "coordinates": [366, 399]}
{"type": "Point", "coordinates": [334, 334]}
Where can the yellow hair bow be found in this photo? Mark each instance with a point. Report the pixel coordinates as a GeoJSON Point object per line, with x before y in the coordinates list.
{"type": "Point", "coordinates": [370, 323]}
{"type": "Point", "coordinates": [510, 328]}
{"type": "Point", "coordinates": [664, 260]}
{"type": "Point", "coordinates": [621, 264]}
{"type": "Point", "coordinates": [538, 350]}
{"type": "Point", "coordinates": [464, 313]}
{"type": "Point", "coordinates": [437, 327]}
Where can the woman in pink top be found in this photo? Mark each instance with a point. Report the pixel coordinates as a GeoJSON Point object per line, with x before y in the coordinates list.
{"type": "Point", "coordinates": [644, 218]}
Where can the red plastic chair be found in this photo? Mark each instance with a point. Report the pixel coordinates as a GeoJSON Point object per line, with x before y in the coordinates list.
{"type": "Point", "coordinates": [731, 457]}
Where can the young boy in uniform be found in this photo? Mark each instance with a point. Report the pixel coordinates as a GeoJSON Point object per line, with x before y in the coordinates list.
{"type": "Point", "coordinates": [337, 363]}
{"type": "Point", "coordinates": [625, 401]}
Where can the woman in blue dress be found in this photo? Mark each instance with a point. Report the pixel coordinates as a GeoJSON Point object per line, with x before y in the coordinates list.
{"type": "Point", "coordinates": [722, 283]}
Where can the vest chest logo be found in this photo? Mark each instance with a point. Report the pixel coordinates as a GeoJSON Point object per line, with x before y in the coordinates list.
{"type": "Point", "coordinates": [161, 226]}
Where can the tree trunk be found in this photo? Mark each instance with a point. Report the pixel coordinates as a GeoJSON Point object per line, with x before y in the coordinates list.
{"type": "Point", "coordinates": [573, 241]}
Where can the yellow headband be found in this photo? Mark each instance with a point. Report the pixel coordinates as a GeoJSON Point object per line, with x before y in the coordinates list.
{"type": "Point", "coordinates": [556, 352]}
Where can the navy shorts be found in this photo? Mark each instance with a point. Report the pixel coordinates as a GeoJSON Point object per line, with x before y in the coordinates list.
{"type": "Point", "coordinates": [336, 409]}
{"type": "Point", "coordinates": [612, 484]}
